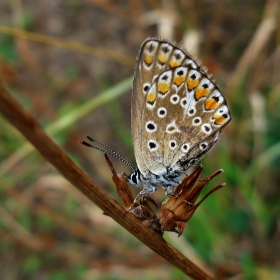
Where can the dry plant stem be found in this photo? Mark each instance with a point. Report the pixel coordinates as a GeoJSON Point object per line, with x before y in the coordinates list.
{"type": "Point", "coordinates": [124, 193]}
{"type": "Point", "coordinates": [33, 132]}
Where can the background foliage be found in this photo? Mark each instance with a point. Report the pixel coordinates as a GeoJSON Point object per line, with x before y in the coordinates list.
{"type": "Point", "coordinates": [72, 70]}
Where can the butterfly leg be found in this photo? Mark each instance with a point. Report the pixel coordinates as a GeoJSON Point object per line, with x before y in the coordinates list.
{"type": "Point", "coordinates": [147, 190]}
{"type": "Point", "coordinates": [169, 191]}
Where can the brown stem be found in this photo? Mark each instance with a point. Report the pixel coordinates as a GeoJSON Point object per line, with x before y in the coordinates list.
{"type": "Point", "coordinates": [33, 132]}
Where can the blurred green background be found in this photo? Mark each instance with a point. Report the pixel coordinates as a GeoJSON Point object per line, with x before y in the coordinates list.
{"type": "Point", "coordinates": [72, 71]}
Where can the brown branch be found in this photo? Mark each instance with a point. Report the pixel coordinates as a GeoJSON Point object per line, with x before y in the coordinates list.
{"type": "Point", "coordinates": [33, 132]}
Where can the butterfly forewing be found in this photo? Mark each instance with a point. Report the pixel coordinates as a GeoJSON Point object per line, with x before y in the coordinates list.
{"type": "Point", "coordinates": [155, 57]}
{"type": "Point", "coordinates": [177, 111]}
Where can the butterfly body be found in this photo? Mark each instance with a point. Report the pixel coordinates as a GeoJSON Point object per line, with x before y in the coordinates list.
{"type": "Point", "coordinates": [178, 114]}
{"type": "Point", "coordinates": [150, 182]}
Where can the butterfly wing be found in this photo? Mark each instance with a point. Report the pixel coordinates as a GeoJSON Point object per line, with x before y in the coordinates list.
{"type": "Point", "coordinates": [184, 114]}
{"type": "Point", "coordinates": [178, 112]}
{"type": "Point", "coordinates": [155, 57]}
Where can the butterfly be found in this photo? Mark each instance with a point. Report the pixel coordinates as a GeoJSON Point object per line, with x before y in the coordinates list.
{"type": "Point", "coordinates": [177, 115]}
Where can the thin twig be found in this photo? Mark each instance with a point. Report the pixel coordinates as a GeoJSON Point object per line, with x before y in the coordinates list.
{"type": "Point", "coordinates": [33, 132]}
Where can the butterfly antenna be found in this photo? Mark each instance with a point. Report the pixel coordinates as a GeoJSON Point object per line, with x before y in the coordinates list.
{"type": "Point", "coordinates": [107, 150]}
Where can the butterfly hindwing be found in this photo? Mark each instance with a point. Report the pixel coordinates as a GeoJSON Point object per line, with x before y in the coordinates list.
{"type": "Point", "coordinates": [182, 117]}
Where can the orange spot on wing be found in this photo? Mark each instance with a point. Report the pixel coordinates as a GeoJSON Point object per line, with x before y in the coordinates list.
{"type": "Point", "coordinates": [162, 58]}
{"type": "Point", "coordinates": [192, 83]}
{"type": "Point", "coordinates": [220, 120]}
{"type": "Point", "coordinates": [151, 97]}
{"type": "Point", "coordinates": [163, 87]}
{"type": "Point", "coordinates": [179, 80]}
{"type": "Point", "coordinates": [201, 92]}
{"type": "Point", "coordinates": [211, 104]}
{"type": "Point", "coordinates": [148, 59]}
{"type": "Point", "coordinates": [174, 63]}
